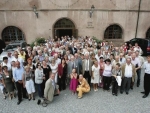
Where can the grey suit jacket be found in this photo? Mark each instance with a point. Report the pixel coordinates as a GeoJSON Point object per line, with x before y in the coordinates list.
{"type": "Point", "coordinates": [90, 66]}
{"type": "Point", "coordinates": [49, 90]}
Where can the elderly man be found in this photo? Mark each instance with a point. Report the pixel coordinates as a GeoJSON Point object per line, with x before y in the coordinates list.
{"type": "Point", "coordinates": [51, 89]}
{"type": "Point", "coordinates": [136, 62]}
{"type": "Point", "coordinates": [128, 75]}
{"type": "Point", "coordinates": [83, 87]}
{"type": "Point", "coordinates": [17, 76]}
{"type": "Point", "coordinates": [78, 62]}
{"type": "Point", "coordinates": [87, 68]}
{"type": "Point", "coordinates": [17, 58]}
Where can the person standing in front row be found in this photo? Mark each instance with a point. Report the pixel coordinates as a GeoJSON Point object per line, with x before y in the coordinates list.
{"type": "Point", "coordinates": [87, 70]}
{"type": "Point", "coordinates": [147, 77]}
{"type": "Point", "coordinates": [95, 75]}
{"type": "Point", "coordinates": [107, 74]}
{"type": "Point", "coordinates": [128, 75]}
{"type": "Point", "coordinates": [74, 81]}
{"type": "Point", "coordinates": [17, 76]}
{"type": "Point", "coordinates": [115, 73]}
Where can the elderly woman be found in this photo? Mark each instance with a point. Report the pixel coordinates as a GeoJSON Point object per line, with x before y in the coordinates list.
{"type": "Point", "coordinates": [83, 86]}
{"type": "Point", "coordinates": [39, 77]}
{"type": "Point", "coordinates": [8, 83]}
{"type": "Point", "coordinates": [95, 75]}
{"type": "Point", "coordinates": [54, 69]}
{"type": "Point", "coordinates": [107, 74]}
{"type": "Point", "coordinates": [28, 82]}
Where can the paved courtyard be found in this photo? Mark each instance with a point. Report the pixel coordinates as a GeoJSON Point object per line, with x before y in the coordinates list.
{"type": "Point", "coordinates": [93, 102]}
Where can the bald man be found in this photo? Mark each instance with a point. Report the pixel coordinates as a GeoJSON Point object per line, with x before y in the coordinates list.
{"type": "Point", "coordinates": [17, 76]}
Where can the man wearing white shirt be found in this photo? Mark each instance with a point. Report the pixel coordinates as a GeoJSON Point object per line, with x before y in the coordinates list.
{"type": "Point", "coordinates": [128, 75]}
{"type": "Point", "coordinates": [147, 77]}
{"type": "Point", "coordinates": [136, 62]}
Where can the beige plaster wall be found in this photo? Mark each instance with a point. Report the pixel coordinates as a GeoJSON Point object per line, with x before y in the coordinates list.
{"type": "Point", "coordinates": [24, 18]}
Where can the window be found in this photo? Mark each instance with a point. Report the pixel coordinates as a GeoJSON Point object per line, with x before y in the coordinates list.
{"type": "Point", "coordinates": [148, 34]}
{"type": "Point", "coordinates": [12, 33]}
{"type": "Point", "coordinates": [113, 32]}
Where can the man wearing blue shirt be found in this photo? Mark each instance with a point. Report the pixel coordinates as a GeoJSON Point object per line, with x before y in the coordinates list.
{"type": "Point", "coordinates": [17, 75]}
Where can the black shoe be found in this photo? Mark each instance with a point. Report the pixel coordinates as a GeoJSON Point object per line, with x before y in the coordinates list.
{"type": "Point", "coordinates": [144, 96]}
{"type": "Point", "coordinates": [138, 85]}
{"type": "Point", "coordinates": [39, 101]}
{"type": "Point", "coordinates": [56, 95]}
{"type": "Point", "coordinates": [18, 102]}
{"type": "Point", "coordinates": [127, 93]}
{"type": "Point", "coordinates": [131, 88]}
{"type": "Point", "coordinates": [116, 94]}
{"type": "Point", "coordinates": [121, 92]}
{"type": "Point", "coordinates": [143, 92]}
{"type": "Point", "coordinates": [25, 97]}
{"type": "Point", "coordinates": [33, 98]}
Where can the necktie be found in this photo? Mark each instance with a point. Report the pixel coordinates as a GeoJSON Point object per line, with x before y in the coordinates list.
{"type": "Point", "coordinates": [87, 65]}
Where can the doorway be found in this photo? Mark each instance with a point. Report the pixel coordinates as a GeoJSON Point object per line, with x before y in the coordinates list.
{"type": "Point", "coordinates": [64, 27]}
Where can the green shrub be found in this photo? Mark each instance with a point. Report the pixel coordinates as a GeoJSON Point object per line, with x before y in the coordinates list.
{"type": "Point", "coordinates": [38, 41]}
{"type": "Point", "coordinates": [97, 40]}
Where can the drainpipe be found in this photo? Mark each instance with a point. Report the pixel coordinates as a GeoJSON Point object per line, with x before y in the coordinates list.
{"type": "Point", "coordinates": [137, 24]}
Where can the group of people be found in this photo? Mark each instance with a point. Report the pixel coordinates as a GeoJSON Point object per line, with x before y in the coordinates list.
{"type": "Point", "coordinates": [80, 63]}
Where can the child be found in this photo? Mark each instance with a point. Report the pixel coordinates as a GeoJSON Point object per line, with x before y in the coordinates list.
{"type": "Point", "coordinates": [74, 81]}
{"type": "Point", "coordinates": [115, 72]}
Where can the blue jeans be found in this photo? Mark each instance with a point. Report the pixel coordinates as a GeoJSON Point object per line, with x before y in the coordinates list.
{"type": "Point", "coordinates": [40, 90]}
{"type": "Point", "coordinates": [138, 76]}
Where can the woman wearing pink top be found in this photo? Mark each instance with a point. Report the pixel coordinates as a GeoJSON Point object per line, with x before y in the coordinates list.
{"type": "Point", "coordinates": [107, 74]}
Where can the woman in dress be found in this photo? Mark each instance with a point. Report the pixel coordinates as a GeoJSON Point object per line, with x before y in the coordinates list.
{"type": "Point", "coordinates": [74, 81]}
{"type": "Point", "coordinates": [62, 73]}
{"type": "Point", "coordinates": [54, 68]}
{"type": "Point", "coordinates": [95, 75]}
{"type": "Point", "coordinates": [107, 74]}
{"type": "Point", "coordinates": [46, 69]}
{"type": "Point", "coordinates": [28, 82]}
{"type": "Point", "coordinates": [8, 82]}
{"type": "Point", "coordinates": [101, 64]}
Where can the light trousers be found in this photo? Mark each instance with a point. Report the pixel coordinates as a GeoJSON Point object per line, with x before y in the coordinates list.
{"type": "Point", "coordinates": [82, 90]}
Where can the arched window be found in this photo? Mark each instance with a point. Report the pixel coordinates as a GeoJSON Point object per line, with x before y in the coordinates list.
{"type": "Point", "coordinates": [148, 34]}
{"type": "Point", "coordinates": [12, 33]}
{"type": "Point", "coordinates": [113, 32]}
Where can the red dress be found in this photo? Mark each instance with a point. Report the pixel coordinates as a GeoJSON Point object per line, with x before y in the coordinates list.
{"type": "Point", "coordinates": [101, 73]}
{"type": "Point", "coordinates": [73, 84]}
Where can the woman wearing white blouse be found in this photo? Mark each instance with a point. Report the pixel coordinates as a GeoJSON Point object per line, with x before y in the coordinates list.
{"type": "Point", "coordinates": [54, 68]}
{"type": "Point", "coordinates": [95, 75]}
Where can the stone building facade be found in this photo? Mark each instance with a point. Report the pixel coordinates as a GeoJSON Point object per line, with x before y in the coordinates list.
{"type": "Point", "coordinates": [118, 20]}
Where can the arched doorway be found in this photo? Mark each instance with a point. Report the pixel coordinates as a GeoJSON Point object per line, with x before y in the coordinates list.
{"type": "Point", "coordinates": [148, 34]}
{"type": "Point", "coordinates": [12, 33]}
{"type": "Point", "coordinates": [64, 27]}
{"type": "Point", "coordinates": [113, 32]}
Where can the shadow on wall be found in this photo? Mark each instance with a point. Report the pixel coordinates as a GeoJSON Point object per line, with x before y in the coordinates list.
{"type": "Point", "coordinates": [2, 45]}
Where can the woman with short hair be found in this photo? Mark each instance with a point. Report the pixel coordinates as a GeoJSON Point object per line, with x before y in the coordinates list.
{"type": "Point", "coordinates": [28, 82]}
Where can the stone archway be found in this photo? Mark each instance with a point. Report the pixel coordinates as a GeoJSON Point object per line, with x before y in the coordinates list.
{"type": "Point", "coordinates": [64, 27]}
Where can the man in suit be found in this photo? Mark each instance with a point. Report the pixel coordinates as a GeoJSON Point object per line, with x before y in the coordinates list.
{"type": "Point", "coordinates": [78, 62]}
{"type": "Point", "coordinates": [128, 75]}
{"type": "Point", "coordinates": [87, 68]}
{"type": "Point", "coordinates": [51, 89]}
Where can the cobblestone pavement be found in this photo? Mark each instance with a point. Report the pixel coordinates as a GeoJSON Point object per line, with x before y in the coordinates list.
{"type": "Point", "coordinates": [93, 102]}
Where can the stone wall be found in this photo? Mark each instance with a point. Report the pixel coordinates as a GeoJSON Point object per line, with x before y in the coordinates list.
{"type": "Point", "coordinates": [124, 13]}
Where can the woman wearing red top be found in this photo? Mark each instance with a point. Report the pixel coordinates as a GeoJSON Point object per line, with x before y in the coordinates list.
{"type": "Point", "coordinates": [101, 64]}
{"type": "Point", "coordinates": [62, 73]}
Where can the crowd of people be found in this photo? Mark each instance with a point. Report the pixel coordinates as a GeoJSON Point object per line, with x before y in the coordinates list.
{"type": "Point", "coordinates": [82, 64]}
